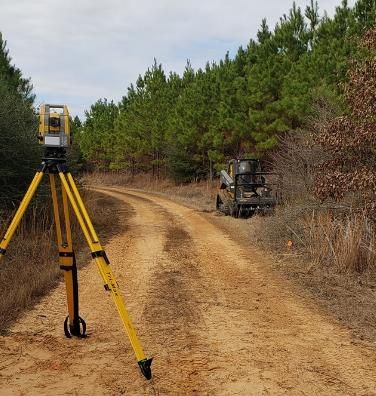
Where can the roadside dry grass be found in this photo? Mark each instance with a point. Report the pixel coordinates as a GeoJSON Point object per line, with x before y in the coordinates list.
{"type": "Point", "coordinates": [200, 195]}
{"type": "Point", "coordinates": [30, 268]}
{"type": "Point", "coordinates": [326, 238]}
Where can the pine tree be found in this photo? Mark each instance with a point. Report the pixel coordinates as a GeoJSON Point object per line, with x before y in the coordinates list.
{"type": "Point", "coordinates": [12, 76]}
{"type": "Point", "coordinates": [187, 126]}
{"type": "Point", "coordinates": [97, 134]}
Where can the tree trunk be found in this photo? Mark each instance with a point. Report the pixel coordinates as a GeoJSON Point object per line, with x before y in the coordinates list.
{"type": "Point", "coordinates": [210, 170]}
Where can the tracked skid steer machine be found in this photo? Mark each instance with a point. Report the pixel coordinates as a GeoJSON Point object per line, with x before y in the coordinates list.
{"type": "Point", "coordinates": [244, 189]}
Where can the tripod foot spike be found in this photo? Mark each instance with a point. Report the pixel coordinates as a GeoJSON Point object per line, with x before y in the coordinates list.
{"type": "Point", "coordinates": [75, 328]}
{"type": "Point", "coordinates": [145, 367]}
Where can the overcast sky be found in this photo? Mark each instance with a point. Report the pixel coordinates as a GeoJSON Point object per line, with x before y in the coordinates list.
{"type": "Point", "coordinates": [77, 51]}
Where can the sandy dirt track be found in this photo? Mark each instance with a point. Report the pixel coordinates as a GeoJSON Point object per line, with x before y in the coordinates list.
{"type": "Point", "coordinates": [213, 315]}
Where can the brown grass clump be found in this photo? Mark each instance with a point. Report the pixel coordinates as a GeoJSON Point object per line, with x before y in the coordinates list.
{"type": "Point", "coordinates": [26, 272]}
{"type": "Point", "coordinates": [348, 243]}
{"type": "Point", "coordinates": [31, 268]}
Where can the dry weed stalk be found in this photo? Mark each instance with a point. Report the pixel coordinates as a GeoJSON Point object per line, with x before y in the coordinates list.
{"type": "Point", "coordinates": [347, 242]}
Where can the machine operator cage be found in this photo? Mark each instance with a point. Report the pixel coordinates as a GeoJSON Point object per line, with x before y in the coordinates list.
{"type": "Point", "coordinates": [54, 127]}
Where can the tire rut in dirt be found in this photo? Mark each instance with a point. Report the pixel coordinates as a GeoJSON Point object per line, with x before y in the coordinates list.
{"type": "Point", "coordinates": [174, 312]}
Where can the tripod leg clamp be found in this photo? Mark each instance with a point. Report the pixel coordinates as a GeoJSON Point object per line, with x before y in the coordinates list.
{"type": "Point", "coordinates": [2, 251]}
{"type": "Point", "coordinates": [100, 253]}
{"type": "Point", "coordinates": [68, 267]}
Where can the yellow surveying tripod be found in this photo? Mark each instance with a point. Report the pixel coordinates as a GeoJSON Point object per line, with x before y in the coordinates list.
{"type": "Point", "coordinates": [54, 134]}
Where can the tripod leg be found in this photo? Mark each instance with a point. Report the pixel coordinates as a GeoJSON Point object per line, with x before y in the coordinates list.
{"type": "Point", "coordinates": [20, 212]}
{"type": "Point", "coordinates": [102, 262]}
{"type": "Point", "coordinates": [67, 262]}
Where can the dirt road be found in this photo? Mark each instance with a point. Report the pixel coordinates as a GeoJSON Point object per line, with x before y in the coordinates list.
{"type": "Point", "coordinates": [213, 315]}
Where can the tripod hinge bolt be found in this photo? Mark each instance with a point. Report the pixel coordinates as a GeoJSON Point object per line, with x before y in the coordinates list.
{"type": "Point", "coordinates": [66, 254]}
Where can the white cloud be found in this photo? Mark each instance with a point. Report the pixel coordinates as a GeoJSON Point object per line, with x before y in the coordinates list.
{"type": "Point", "coordinates": [81, 50]}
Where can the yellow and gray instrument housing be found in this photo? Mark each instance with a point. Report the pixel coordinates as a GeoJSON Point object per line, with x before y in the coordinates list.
{"type": "Point", "coordinates": [57, 133]}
